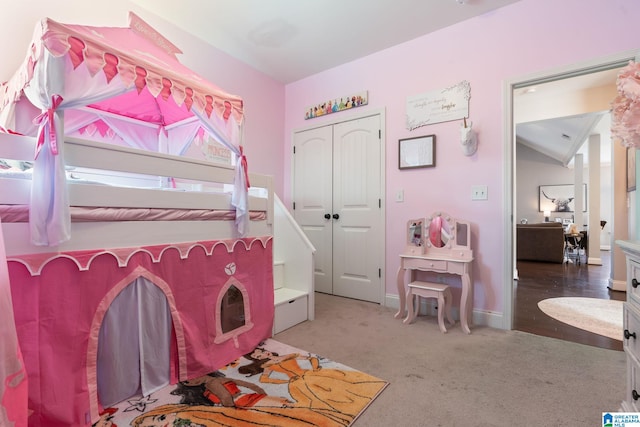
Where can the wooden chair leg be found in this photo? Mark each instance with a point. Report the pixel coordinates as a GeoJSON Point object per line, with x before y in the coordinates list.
{"type": "Point", "coordinates": [411, 311]}
{"type": "Point", "coordinates": [448, 298]}
{"type": "Point", "coordinates": [441, 310]}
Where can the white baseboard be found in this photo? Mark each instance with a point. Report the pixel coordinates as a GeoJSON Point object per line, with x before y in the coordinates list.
{"type": "Point", "coordinates": [480, 317]}
{"type": "Point", "coordinates": [617, 285]}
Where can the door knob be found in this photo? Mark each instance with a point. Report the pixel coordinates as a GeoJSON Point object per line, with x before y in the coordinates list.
{"type": "Point", "coordinates": [336, 216]}
{"type": "Point", "coordinates": [327, 216]}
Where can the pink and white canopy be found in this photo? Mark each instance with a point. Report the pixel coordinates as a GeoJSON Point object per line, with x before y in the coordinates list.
{"type": "Point", "coordinates": [128, 78]}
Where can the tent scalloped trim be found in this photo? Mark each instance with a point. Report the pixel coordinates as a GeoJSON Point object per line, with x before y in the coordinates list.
{"type": "Point", "coordinates": [35, 263]}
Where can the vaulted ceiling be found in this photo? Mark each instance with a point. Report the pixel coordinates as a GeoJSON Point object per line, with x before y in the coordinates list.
{"type": "Point", "coordinates": [561, 138]}
{"type": "Point", "coordinates": [556, 118]}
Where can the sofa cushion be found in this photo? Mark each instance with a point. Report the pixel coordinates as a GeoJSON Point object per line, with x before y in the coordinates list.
{"type": "Point", "coordinates": [540, 242]}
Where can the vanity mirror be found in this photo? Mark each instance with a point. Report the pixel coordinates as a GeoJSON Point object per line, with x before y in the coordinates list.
{"type": "Point", "coordinates": [440, 231]}
{"type": "Point", "coordinates": [439, 234]}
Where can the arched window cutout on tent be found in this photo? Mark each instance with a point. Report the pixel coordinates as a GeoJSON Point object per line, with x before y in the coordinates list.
{"type": "Point", "coordinates": [233, 313]}
{"type": "Point", "coordinates": [232, 310]}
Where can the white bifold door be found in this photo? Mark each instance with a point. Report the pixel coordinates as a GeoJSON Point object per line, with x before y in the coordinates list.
{"type": "Point", "coordinates": [337, 197]}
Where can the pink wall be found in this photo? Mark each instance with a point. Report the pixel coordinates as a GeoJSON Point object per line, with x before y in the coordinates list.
{"type": "Point", "coordinates": [515, 41]}
{"type": "Point", "coordinates": [527, 37]}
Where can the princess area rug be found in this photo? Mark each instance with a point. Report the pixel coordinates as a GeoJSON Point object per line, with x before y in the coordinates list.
{"type": "Point", "coordinates": [602, 317]}
{"type": "Point", "coordinates": [275, 385]}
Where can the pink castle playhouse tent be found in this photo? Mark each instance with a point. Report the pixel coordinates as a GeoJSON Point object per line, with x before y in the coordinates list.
{"type": "Point", "coordinates": [72, 306]}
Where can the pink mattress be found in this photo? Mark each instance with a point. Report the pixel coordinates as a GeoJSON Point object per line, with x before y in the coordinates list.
{"type": "Point", "coordinates": [20, 213]}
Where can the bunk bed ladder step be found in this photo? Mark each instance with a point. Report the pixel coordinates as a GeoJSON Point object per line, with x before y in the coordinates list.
{"type": "Point", "coordinates": [278, 274]}
{"type": "Point", "coordinates": [291, 305]}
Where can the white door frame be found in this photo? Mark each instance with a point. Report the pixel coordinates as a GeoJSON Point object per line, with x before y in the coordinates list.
{"type": "Point", "coordinates": [509, 201]}
{"type": "Point", "coordinates": [340, 117]}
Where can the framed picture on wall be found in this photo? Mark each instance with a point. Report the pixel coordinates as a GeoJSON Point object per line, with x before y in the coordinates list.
{"type": "Point", "coordinates": [559, 198]}
{"type": "Point", "coordinates": [631, 169]}
{"type": "Point", "coordinates": [418, 152]}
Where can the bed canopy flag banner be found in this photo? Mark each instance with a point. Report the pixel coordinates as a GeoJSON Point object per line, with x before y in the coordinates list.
{"type": "Point", "coordinates": [76, 75]}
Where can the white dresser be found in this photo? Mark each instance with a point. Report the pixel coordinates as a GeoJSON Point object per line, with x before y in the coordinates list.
{"type": "Point", "coordinates": [631, 341]}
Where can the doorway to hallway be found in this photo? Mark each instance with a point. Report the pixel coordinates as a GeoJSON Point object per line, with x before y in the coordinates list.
{"type": "Point", "coordinates": [512, 190]}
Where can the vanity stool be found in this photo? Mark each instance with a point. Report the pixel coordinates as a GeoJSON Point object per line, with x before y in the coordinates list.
{"type": "Point", "coordinates": [439, 291]}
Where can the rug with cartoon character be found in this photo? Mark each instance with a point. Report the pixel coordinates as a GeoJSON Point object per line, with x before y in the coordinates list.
{"type": "Point", "coordinates": [274, 385]}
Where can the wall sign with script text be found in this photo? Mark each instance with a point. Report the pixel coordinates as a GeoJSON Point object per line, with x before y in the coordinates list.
{"type": "Point", "coordinates": [438, 106]}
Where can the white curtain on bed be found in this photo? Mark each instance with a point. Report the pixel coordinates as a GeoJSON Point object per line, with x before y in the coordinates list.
{"type": "Point", "coordinates": [49, 216]}
{"type": "Point", "coordinates": [134, 344]}
{"type": "Point", "coordinates": [240, 199]}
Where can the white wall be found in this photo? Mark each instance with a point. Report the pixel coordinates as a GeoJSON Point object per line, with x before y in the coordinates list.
{"type": "Point", "coordinates": [606, 205]}
{"type": "Point", "coordinates": [534, 169]}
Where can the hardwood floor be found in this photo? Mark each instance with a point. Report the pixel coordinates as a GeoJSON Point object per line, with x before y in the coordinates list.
{"type": "Point", "coordinates": [541, 280]}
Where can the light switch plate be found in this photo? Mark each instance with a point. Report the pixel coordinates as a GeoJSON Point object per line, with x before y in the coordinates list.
{"type": "Point", "coordinates": [479, 192]}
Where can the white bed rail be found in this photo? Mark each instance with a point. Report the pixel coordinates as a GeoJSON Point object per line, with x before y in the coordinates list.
{"type": "Point", "coordinates": [80, 153]}
{"type": "Point", "coordinates": [114, 159]}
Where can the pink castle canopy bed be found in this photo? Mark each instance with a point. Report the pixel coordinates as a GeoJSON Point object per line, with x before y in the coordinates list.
{"type": "Point", "coordinates": [129, 258]}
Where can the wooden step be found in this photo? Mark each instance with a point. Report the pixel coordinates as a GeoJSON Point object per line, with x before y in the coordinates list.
{"type": "Point", "coordinates": [278, 274]}
{"type": "Point", "coordinates": [291, 308]}
{"type": "Point", "coordinates": [286, 295]}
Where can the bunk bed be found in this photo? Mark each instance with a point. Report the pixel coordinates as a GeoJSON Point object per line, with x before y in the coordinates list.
{"type": "Point", "coordinates": [132, 259]}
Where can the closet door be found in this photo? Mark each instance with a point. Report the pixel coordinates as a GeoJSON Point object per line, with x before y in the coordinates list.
{"type": "Point", "coordinates": [357, 199]}
{"type": "Point", "coordinates": [337, 197]}
{"type": "Point", "coordinates": [313, 198]}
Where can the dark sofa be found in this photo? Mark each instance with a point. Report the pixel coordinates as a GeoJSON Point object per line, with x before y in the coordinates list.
{"type": "Point", "coordinates": [540, 242]}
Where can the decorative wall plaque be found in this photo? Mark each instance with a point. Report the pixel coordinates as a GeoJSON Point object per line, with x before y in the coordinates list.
{"type": "Point", "coordinates": [438, 106]}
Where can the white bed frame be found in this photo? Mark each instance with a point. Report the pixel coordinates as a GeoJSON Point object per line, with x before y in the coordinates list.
{"type": "Point", "coordinates": [117, 159]}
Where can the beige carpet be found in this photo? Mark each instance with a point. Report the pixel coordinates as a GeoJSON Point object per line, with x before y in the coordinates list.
{"type": "Point", "coordinates": [491, 378]}
{"type": "Point", "coordinates": [602, 317]}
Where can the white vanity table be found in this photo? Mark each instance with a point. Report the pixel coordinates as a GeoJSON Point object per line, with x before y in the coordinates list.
{"type": "Point", "coordinates": [439, 244]}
